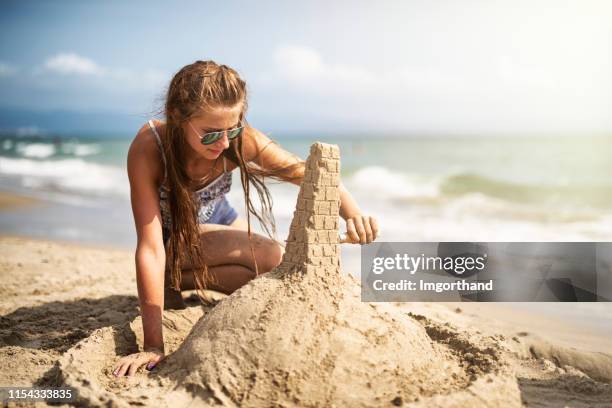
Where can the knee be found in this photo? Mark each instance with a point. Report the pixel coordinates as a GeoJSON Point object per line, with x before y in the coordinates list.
{"type": "Point", "coordinates": [273, 255]}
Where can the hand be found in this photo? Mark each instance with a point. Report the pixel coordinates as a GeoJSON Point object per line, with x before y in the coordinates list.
{"type": "Point", "coordinates": [361, 229]}
{"type": "Point", "coordinates": [129, 364]}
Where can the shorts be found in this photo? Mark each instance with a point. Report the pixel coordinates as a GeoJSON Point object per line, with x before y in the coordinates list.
{"type": "Point", "coordinates": [223, 214]}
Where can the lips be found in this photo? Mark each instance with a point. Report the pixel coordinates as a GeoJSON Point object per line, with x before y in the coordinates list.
{"type": "Point", "coordinates": [215, 151]}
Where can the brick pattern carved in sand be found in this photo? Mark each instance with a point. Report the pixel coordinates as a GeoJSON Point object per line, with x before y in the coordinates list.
{"type": "Point", "coordinates": [312, 244]}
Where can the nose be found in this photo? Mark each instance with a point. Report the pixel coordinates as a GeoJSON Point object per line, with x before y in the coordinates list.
{"type": "Point", "coordinates": [222, 143]}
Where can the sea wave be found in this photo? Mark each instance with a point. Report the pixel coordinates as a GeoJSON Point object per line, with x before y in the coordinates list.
{"type": "Point", "coordinates": [408, 206]}
{"type": "Point", "coordinates": [44, 149]}
{"type": "Point", "coordinates": [402, 187]}
{"type": "Point", "coordinates": [386, 184]}
{"type": "Point", "coordinates": [35, 150]}
{"type": "Point", "coordinates": [464, 206]}
{"type": "Point", "coordinates": [584, 195]}
{"type": "Point", "coordinates": [70, 175]}
{"type": "Point", "coordinates": [80, 150]}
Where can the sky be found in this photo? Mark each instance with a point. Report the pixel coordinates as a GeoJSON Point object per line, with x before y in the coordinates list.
{"type": "Point", "coordinates": [457, 67]}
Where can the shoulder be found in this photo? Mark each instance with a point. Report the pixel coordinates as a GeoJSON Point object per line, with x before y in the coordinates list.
{"type": "Point", "coordinates": [145, 141]}
{"type": "Point", "coordinates": [145, 138]}
{"type": "Point", "coordinates": [144, 150]}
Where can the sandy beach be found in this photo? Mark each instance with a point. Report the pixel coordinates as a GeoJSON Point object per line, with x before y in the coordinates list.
{"type": "Point", "coordinates": [57, 295]}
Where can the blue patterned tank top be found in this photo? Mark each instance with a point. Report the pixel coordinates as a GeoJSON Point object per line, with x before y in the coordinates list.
{"type": "Point", "coordinates": [208, 196]}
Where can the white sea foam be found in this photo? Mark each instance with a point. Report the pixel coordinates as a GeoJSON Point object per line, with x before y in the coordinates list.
{"type": "Point", "coordinates": [383, 183]}
{"type": "Point", "coordinates": [86, 150]}
{"type": "Point", "coordinates": [80, 150]}
{"type": "Point", "coordinates": [399, 203]}
{"type": "Point", "coordinates": [70, 175]}
{"type": "Point", "coordinates": [408, 207]}
{"type": "Point", "coordinates": [36, 150]}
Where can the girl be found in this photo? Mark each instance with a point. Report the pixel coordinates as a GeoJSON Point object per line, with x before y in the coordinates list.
{"type": "Point", "coordinates": [179, 173]}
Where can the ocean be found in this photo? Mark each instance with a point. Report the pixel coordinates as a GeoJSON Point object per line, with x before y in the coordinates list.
{"type": "Point", "coordinates": [419, 188]}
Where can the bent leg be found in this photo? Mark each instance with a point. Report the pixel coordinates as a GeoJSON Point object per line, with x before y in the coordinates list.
{"type": "Point", "coordinates": [227, 253]}
{"type": "Point", "coordinates": [227, 278]}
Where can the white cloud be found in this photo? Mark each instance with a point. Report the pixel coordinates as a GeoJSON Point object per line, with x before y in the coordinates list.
{"type": "Point", "coordinates": [72, 63]}
{"type": "Point", "coordinates": [306, 66]}
{"type": "Point", "coordinates": [299, 62]}
{"type": "Point", "coordinates": [513, 89]}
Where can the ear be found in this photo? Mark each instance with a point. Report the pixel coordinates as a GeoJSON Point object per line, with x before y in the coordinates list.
{"type": "Point", "coordinates": [177, 115]}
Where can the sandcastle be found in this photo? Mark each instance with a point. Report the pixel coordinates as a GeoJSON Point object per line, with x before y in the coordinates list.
{"type": "Point", "coordinates": [300, 336]}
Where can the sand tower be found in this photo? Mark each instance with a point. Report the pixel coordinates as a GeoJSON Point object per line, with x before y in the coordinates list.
{"type": "Point", "coordinates": [312, 245]}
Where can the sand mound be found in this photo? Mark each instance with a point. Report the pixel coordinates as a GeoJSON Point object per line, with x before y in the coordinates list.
{"type": "Point", "coordinates": [300, 336]}
{"type": "Point", "coordinates": [298, 343]}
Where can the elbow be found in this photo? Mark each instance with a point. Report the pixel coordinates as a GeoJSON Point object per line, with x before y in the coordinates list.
{"type": "Point", "coordinates": [148, 252]}
{"type": "Point", "coordinates": [147, 255]}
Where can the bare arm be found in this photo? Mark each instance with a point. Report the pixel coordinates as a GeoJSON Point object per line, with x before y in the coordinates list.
{"type": "Point", "coordinates": [143, 169]}
{"type": "Point", "coordinates": [150, 255]}
{"type": "Point", "coordinates": [268, 154]}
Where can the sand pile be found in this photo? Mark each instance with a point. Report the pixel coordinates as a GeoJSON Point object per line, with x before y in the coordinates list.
{"type": "Point", "coordinates": [300, 336]}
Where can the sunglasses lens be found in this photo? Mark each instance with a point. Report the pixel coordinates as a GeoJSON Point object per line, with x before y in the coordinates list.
{"type": "Point", "coordinates": [232, 134]}
{"type": "Point", "coordinates": [212, 137]}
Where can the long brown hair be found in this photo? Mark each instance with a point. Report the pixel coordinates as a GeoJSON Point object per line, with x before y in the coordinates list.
{"type": "Point", "coordinates": [196, 87]}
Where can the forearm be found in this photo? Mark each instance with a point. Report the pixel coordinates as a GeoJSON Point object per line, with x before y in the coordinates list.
{"type": "Point", "coordinates": [296, 170]}
{"type": "Point", "coordinates": [150, 281]}
{"type": "Point", "coordinates": [348, 205]}
{"type": "Point", "coordinates": [360, 228]}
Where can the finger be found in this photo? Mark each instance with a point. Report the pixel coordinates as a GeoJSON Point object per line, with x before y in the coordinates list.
{"type": "Point", "coordinates": [350, 230]}
{"type": "Point", "coordinates": [360, 230]}
{"type": "Point", "coordinates": [368, 229]}
{"type": "Point", "coordinates": [374, 225]}
{"type": "Point", "coordinates": [134, 366]}
{"type": "Point", "coordinates": [122, 369]}
{"type": "Point", "coordinates": [153, 362]}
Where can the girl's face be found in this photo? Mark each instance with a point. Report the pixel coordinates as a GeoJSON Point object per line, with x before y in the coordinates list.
{"type": "Point", "coordinates": [212, 120]}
